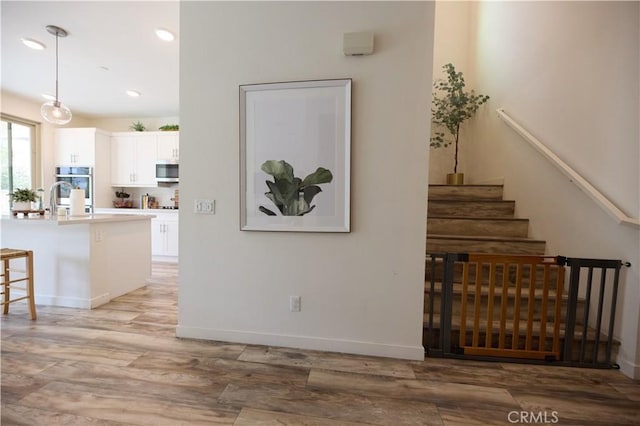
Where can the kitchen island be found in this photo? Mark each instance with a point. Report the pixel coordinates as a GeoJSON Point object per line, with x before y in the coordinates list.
{"type": "Point", "coordinates": [83, 261]}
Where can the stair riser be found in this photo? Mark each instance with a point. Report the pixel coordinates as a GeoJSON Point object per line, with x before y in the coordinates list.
{"type": "Point", "coordinates": [480, 227]}
{"type": "Point", "coordinates": [445, 245]}
{"type": "Point", "coordinates": [465, 192]}
{"type": "Point", "coordinates": [487, 209]}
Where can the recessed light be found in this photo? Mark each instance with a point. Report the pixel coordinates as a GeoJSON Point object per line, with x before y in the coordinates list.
{"type": "Point", "coordinates": [48, 97]}
{"type": "Point", "coordinates": [133, 93]}
{"type": "Point", "coordinates": [33, 44]}
{"type": "Point", "coordinates": [103, 68]}
{"type": "Point", "coordinates": [165, 35]}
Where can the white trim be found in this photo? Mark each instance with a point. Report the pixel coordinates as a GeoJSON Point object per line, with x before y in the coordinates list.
{"type": "Point", "coordinates": [72, 302]}
{"type": "Point", "coordinates": [304, 342]}
{"type": "Point", "coordinates": [100, 300]}
{"type": "Point", "coordinates": [630, 369]}
{"type": "Point", "coordinates": [600, 199]}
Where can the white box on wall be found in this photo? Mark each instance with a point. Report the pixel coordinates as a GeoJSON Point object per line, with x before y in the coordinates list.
{"type": "Point", "coordinates": [355, 44]}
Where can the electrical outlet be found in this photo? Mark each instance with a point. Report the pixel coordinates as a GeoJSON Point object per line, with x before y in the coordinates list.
{"type": "Point", "coordinates": [294, 303]}
{"type": "Point", "coordinates": [204, 206]}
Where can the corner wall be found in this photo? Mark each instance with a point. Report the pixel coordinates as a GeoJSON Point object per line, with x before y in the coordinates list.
{"type": "Point", "coordinates": [361, 292]}
{"type": "Point", "coordinates": [452, 40]}
{"type": "Point", "coordinates": [567, 72]}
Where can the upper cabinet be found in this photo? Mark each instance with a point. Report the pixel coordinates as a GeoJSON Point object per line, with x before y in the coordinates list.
{"type": "Point", "coordinates": [133, 159]}
{"type": "Point", "coordinates": [168, 146]}
{"type": "Point", "coordinates": [75, 147]}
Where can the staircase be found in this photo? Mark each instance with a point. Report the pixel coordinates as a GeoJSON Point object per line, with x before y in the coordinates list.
{"type": "Point", "coordinates": [476, 219]}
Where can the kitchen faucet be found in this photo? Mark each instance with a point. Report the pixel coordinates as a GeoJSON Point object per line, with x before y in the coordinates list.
{"type": "Point", "coordinates": [53, 197]}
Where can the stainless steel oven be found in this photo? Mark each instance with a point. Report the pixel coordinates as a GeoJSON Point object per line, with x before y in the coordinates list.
{"type": "Point", "coordinates": [78, 177]}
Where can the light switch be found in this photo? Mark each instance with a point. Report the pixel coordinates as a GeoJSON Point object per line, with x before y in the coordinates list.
{"type": "Point", "coordinates": [204, 206]}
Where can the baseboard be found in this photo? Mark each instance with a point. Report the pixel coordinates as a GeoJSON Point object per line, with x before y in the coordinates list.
{"type": "Point", "coordinates": [304, 342]}
{"type": "Point", "coordinates": [629, 369]}
{"type": "Point", "coordinates": [66, 302]}
{"type": "Point", "coordinates": [100, 300]}
{"type": "Point", "coordinates": [72, 302]}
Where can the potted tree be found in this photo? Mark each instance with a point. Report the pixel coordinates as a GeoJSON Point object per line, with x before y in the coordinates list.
{"type": "Point", "coordinates": [22, 199]}
{"type": "Point", "coordinates": [452, 105]}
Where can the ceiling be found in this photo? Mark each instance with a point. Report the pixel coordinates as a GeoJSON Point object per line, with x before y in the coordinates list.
{"type": "Point", "coordinates": [111, 47]}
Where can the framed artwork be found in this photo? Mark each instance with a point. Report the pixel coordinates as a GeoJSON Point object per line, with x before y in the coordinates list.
{"type": "Point", "coordinates": [295, 156]}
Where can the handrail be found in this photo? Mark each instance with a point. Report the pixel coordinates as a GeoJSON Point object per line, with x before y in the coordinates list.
{"type": "Point", "coordinates": [600, 199]}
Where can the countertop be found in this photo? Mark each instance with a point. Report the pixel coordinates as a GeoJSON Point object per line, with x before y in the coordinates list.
{"type": "Point", "coordinates": [77, 220]}
{"type": "Point", "coordinates": [121, 211]}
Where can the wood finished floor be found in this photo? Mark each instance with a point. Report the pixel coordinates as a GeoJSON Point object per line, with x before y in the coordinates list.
{"type": "Point", "coordinates": [120, 364]}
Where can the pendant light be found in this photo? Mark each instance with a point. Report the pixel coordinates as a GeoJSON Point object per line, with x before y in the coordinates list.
{"type": "Point", "coordinates": [54, 111]}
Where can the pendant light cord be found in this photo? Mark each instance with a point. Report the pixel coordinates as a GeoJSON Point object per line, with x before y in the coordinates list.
{"type": "Point", "coordinates": [57, 67]}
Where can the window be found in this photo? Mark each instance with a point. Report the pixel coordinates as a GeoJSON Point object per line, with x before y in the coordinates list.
{"type": "Point", "coordinates": [17, 157]}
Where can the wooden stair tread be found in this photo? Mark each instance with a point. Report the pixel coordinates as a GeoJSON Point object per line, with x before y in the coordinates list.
{"type": "Point", "coordinates": [471, 201]}
{"type": "Point", "coordinates": [484, 238]}
{"type": "Point", "coordinates": [465, 192]}
{"type": "Point", "coordinates": [497, 218]}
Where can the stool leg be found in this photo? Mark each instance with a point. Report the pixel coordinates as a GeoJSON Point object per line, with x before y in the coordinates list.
{"type": "Point", "coordinates": [7, 279]}
{"type": "Point", "coordinates": [30, 291]}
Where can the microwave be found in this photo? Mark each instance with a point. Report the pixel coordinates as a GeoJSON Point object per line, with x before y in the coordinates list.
{"type": "Point", "coordinates": [167, 171]}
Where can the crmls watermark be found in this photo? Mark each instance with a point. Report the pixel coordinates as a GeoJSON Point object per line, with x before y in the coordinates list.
{"type": "Point", "coordinates": [533, 417]}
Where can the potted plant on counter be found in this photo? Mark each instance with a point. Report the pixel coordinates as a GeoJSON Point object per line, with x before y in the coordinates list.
{"type": "Point", "coordinates": [452, 105]}
{"type": "Point", "coordinates": [22, 199]}
{"type": "Point", "coordinates": [123, 202]}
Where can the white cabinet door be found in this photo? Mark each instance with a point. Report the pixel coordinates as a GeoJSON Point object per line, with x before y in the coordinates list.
{"type": "Point", "coordinates": [168, 146]}
{"type": "Point", "coordinates": [157, 237]}
{"type": "Point", "coordinates": [172, 238]}
{"type": "Point", "coordinates": [64, 150]}
{"type": "Point", "coordinates": [164, 237]}
{"type": "Point", "coordinates": [122, 160]}
{"type": "Point", "coordinates": [133, 160]}
{"type": "Point", "coordinates": [145, 160]}
{"type": "Point", "coordinates": [75, 147]}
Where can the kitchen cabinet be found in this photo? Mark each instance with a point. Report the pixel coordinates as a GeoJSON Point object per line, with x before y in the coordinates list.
{"type": "Point", "coordinates": [133, 159]}
{"type": "Point", "coordinates": [75, 147]}
{"type": "Point", "coordinates": [168, 146]}
{"type": "Point", "coordinates": [164, 235]}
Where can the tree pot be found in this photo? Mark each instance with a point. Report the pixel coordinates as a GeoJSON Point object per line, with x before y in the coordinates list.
{"type": "Point", "coordinates": [455, 178]}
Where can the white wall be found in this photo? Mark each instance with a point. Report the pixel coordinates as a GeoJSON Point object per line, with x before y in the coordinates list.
{"type": "Point", "coordinates": [452, 41]}
{"type": "Point", "coordinates": [568, 72]}
{"type": "Point", "coordinates": [362, 291]}
{"type": "Point", "coordinates": [111, 124]}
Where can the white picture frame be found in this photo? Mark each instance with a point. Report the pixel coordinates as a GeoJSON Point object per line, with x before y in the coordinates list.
{"type": "Point", "coordinates": [291, 134]}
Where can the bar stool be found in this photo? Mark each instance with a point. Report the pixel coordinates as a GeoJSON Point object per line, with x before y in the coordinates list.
{"type": "Point", "coordinates": [7, 255]}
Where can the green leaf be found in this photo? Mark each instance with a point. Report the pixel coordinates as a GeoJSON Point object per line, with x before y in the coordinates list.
{"type": "Point", "coordinates": [320, 176]}
{"type": "Point", "coordinates": [278, 169]}
{"type": "Point", "coordinates": [275, 195]}
{"type": "Point", "coordinates": [266, 211]}
{"type": "Point", "coordinates": [309, 192]}
{"type": "Point", "coordinates": [307, 210]}
{"type": "Point", "coordinates": [291, 195]}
